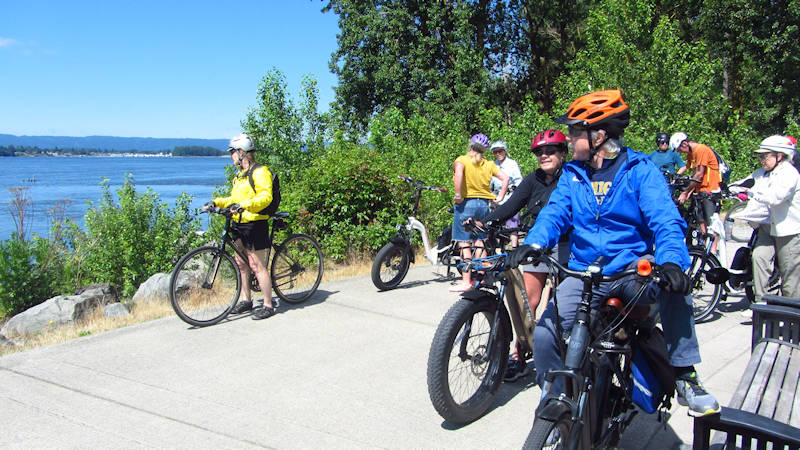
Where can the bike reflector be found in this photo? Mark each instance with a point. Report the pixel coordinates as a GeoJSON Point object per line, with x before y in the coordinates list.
{"type": "Point", "coordinates": [644, 268]}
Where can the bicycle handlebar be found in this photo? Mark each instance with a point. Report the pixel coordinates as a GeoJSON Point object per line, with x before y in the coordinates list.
{"type": "Point", "coordinates": [228, 212]}
{"type": "Point", "coordinates": [594, 272]}
{"type": "Point", "coordinates": [420, 185]}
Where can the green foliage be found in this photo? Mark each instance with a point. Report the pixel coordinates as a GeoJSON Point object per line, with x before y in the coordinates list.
{"type": "Point", "coordinates": [197, 150]}
{"type": "Point", "coordinates": [127, 242]}
{"type": "Point", "coordinates": [30, 272]}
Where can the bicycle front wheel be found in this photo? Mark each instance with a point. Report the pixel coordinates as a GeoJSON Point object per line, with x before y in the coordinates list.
{"type": "Point", "coordinates": [546, 433]}
{"type": "Point", "coordinates": [296, 268]}
{"type": "Point", "coordinates": [465, 367]}
{"type": "Point", "coordinates": [390, 266]}
{"type": "Point", "coordinates": [204, 286]}
{"type": "Point", "coordinates": [705, 295]}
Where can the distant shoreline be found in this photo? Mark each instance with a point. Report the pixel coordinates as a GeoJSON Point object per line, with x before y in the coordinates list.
{"type": "Point", "coordinates": [110, 155]}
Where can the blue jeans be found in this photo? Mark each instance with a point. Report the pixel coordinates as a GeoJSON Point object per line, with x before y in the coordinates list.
{"type": "Point", "coordinates": [677, 320]}
{"type": "Point", "coordinates": [475, 208]}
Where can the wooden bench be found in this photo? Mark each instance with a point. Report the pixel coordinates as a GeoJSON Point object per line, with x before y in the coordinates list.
{"type": "Point", "coordinates": [766, 405]}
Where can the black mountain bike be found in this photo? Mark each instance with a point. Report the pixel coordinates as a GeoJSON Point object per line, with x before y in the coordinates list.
{"type": "Point", "coordinates": [206, 282]}
{"type": "Point", "coordinates": [597, 405]}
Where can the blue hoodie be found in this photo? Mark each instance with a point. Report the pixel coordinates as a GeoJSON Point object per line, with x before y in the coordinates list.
{"type": "Point", "coordinates": [636, 215]}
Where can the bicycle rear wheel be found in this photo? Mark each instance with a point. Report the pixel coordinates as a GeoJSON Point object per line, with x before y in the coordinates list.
{"type": "Point", "coordinates": [296, 268]}
{"type": "Point", "coordinates": [204, 286]}
{"type": "Point", "coordinates": [705, 295]}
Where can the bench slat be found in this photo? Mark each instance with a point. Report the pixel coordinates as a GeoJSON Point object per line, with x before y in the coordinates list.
{"type": "Point", "coordinates": [784, 408]}
{"type": "Point", "coordinates": [744, 383]}
{"type": "Point", "coordinates": [772, 393]}
{"type": "Point", "coordinates": [759, 382]}
{"type": "Point", "coordinates": [794, 420]}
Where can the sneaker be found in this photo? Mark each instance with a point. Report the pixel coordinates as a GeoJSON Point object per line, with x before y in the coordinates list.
{"type": "Point", "coordinates": [515, 370]}
{"type": "Point", "coordinates": [242, 307]}
{"type": "Point", "coordinates": [692, 394]}
{"type": "Point", "coordinates": [263, 312]}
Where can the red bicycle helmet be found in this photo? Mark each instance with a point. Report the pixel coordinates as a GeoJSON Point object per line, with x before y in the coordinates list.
{"type": "Point", "coordinates": [599, 110]}
{"type": "Point", "coordinates": [550, 137]}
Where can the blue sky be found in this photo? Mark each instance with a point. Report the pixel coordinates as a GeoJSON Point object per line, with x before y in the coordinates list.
{"type": "Point", "coordinates": [153, 68]}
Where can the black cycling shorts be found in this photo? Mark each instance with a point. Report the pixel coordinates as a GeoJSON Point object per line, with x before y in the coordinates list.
{"type": "Point", "coordinates": [254, 235]}
{"type": "Point", "coordinates": [706, 208]}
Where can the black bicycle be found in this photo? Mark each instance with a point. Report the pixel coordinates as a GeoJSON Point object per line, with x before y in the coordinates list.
{"type": "Point", "coordinates": [206, 282]}
{"type": "Point", "coordinates": [598, 357]}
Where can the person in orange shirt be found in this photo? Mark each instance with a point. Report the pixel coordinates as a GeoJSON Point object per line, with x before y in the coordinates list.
{"type": "Point", "coordinates": [702, 161]}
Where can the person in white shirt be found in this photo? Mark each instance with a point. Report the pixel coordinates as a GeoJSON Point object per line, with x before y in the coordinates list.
{"type": "Point", "coordinates": [780, 192]}
{"type": "Point", "coordinates": [511, 168]}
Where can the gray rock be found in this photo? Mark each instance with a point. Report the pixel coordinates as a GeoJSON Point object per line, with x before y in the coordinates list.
{"type": "Point", "coordinates": [156, 288]}
{"type": "Point", "coordinates": [5, 342]}
{"type": "Point", "coordinates": [116, 310]}
{"type": "Point", "coordinates": [55, 311]}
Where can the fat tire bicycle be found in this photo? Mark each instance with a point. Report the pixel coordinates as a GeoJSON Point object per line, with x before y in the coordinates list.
{"type": "Point", "coordinates": [597, 405]}
{"type": "Point", "coordinates": [393, 260]}
{"type": "Point", "coordinates": [469, 352]}
{"type": "Point", "coordinates": [206, 282]}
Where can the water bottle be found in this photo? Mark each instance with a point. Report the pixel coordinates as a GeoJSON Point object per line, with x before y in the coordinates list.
{"type": "Point", "coordinates": [578, 340]}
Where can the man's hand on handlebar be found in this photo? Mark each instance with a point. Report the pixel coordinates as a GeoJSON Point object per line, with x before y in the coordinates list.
{"type": "Point", "coordinates": [209, 205]}
{"type": "Point", "coordinates": [524, 254]}
{"type": "Point", "coordinates": [674, 279]}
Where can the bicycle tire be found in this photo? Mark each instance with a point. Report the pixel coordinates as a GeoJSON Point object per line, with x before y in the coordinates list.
{"type": "Point", "coordinates": [458, 351]}
{"type": "Point", "coordinates": [546, 433]}
{"type": "Point", "coordinates": [296, 269]}
{"type": "Point", "coordinates": [204, 286]}
{"type": "Point", "coordinates": [390, 266]}
{"type": "Point", "coordinates": [705, 296]}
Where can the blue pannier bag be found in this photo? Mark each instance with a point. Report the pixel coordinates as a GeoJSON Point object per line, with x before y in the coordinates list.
{"type": "Point", "coordinates": [646, 389]}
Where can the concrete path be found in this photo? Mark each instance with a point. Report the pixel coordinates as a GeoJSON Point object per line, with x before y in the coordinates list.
{"type": "Point", "coordinates": [344, 370]}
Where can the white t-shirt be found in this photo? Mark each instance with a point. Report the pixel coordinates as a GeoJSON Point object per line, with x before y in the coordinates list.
{"type": "Point", "coordinates": [511, 168]}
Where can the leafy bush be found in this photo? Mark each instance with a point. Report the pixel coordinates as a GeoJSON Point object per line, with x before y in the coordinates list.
{"type": "Point", "coordinates": [126, 243]}
{"type": "Point", "coordinates": [29, 273]}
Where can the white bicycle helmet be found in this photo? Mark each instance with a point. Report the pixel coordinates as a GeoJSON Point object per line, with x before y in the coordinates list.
{"type": "Point", "coordinates": [778, 144]}
{"type": "Point", "coordinates": [242, 142]}
{"type": "Point", "coordinates": [499, 144]}
{"type": "Point", "coordinates": [677, 139]}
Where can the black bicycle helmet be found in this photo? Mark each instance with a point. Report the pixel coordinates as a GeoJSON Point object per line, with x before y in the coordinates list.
{"type": "Point", "coordinates": [662, 138]}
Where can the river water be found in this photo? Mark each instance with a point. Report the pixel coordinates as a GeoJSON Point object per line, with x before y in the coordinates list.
{"type": "Point", "coordinates": [75, 181]}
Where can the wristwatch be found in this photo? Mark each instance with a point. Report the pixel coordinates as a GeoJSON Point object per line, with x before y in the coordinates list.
{"type": "Point", "coordinates": [457, 195]}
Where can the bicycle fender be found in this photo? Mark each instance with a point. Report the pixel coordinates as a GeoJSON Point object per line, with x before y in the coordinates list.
{"type": "Point", "coordinates": [477, 295]}
{"type": "Point", "coordinates": [553, 410]}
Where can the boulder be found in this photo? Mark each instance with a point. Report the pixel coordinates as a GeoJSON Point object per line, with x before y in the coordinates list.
{"type": "Point", "coordinates": [57, 310]}
{"type": "Point", "coordinates": [156, 288]}
{"type": "Point", "coordinates": [116, 310]}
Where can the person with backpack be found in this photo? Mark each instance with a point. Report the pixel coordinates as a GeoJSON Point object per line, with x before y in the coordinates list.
{"type": "Point", "coordinates": [251, 196]}
{"type": "Point", "coordinates": [706, 168]}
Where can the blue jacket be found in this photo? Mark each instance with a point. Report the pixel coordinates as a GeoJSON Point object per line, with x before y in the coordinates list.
{"type": "Point", "coordinates": [637, 215]}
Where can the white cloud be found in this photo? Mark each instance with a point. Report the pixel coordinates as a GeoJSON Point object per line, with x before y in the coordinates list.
{"type": "Point", "coordinates": [7, 42]}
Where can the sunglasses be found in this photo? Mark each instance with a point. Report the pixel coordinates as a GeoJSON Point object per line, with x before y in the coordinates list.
{"type": "Point", "coordinates": [661, 142]}
{"type": "Point", "coordinates": [549, 151]}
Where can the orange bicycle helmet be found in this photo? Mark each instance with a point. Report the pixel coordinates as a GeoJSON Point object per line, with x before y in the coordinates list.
{"type": "Point", "coordinates": [599, 110]}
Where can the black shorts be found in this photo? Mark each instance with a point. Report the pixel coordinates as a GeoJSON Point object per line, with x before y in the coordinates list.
{"type": "Point", "coordinates": [705, 208]}
{"type": "Point", "coordinates": [254, 235]}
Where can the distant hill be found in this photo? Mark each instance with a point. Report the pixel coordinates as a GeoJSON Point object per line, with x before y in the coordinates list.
{"type": "Point", "coordinates": [110, 142]}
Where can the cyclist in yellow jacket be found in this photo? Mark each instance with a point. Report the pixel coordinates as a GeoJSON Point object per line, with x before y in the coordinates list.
{"type": "Point", "coordinates": [250, 228]}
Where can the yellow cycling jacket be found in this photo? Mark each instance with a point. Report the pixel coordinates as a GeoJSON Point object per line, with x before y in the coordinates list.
{"type": "Point", "coordinates": [243, 194]}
